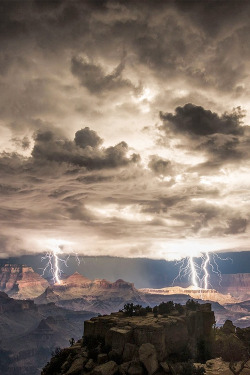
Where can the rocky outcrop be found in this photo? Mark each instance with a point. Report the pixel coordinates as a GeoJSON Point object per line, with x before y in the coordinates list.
{"type": "Point", "coordinates": [167, 334]}
{"type": "Point", "coordinates": [194, 292]}
{"type": "Point", "coordinates": [21, 282]}
{"type": "Point", "coordinates": [79, 293]}
{"type": "Point", "coordinates": [238, 285]}
{"type": "Point", "coordinates": [136, 345]}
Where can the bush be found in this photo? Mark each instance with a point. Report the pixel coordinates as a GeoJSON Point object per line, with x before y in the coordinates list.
{"type": "Point", "coordinates": [165, 307]}
{"type": "Point", "coordinates": [192, 305]}
{"type": "Point", "coordinates": [59, 356]}
{"type": "Point", "coordinates": [178, 307]}
{"type": "Point", "coordinates": [135, 310]}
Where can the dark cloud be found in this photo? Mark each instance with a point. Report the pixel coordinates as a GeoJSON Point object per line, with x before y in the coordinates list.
{"type": "Point", "coordinates": [82, 152]}
{"type": "Point", "coordinates": [236, 226]}
{"type": "Point", "coordinates": [194, 120]}
{"type": "Point", "coordinates": [86, 137]}
{"type": "Point", "coordinates": [223, 138]}
{"type": "Point", "coordinates": [160, 166]}
{"type": "Point", "coordinates": [94, 78]}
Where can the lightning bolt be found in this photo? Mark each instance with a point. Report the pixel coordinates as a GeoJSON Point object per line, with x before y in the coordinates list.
{"type": "Point", "coordinates": [188, 267]}
{"type": "Point", "coordinates": [54, 262]}
{"type": "Point", "coordinates": [194, 274]}
{"type": "Point", "coordinates": [191, 269]}
{"type": "Point", "coordinates": [206, 261]}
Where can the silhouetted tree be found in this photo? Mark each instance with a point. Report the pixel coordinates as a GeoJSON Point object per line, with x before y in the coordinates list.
{"type": "Point", "coordinates": [236, 353]}
{"type": "Point", "coordinates": [192, 305]}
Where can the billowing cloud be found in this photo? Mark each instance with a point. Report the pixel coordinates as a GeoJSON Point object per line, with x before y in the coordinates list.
{"type": "Point", "coordinates": [82, 152]}
{"type": "Point", "coordinates": [130, 182]}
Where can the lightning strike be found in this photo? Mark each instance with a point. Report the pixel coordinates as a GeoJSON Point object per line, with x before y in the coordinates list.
{"type": "Point", "coordinates": [193, 272]}
{"type": "Point", "coordinates": [188, 267]}
{"type": "Point", "coordinates": [55, 261]}
{"type": "Point", "coordinates": [204, 266]}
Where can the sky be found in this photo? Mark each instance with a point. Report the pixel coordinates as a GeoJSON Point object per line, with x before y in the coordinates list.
{"type": "Point", "coordinates": [124, 127]}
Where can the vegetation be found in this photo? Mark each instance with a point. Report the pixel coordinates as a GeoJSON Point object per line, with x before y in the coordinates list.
{"type": "Point", "coordinates": [192, 305]}
{"type": "Point", "coordinates": [59, 357]}
{"type": "Point", "coordinates": [164, 308]}
{"type": "Point", "coordinates": [135, 310]}
{"type": "Point", "coordinates": [233, 345]}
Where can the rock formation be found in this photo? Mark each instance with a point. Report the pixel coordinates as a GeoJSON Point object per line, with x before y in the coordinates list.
{"type": "Point", "coordinates": [238, 285]}
{"type": "Point", "coordinates": [194, 292]}
{"type": "Point", "coordinates": [21, 282]}
{"type": "Point", "coordinates": [136, 345]}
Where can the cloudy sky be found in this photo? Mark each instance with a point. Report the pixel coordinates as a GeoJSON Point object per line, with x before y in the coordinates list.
{"type": "Point", "coordinates": [124, 127]}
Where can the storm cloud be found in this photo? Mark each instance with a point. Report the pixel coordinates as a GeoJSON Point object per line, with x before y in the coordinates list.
{"type": "Point", "coordinates": [124, 126]}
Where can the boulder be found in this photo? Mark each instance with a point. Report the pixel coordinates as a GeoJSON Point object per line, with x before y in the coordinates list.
{"type": "Point", "coordinates": [123, 368]}
{"type": "Point", "coordinates": [135, 368]}
{"type": "Point", "coordinates": [89, 365]}
{"type": "Point", "coordinates": [165, 367]}
{"type": "Point", "coordinates": [102, 358]}
{"type": "Point", "coordinates": [148, 357]}
{"type": "Point", "coordinates": [109, 368]}
{"type": "Point", "coordinates": [117, 338]}
{"type": "Point", "coordinates": [130, 352]}
{"type": "Point", "coordinates": [76, 367]}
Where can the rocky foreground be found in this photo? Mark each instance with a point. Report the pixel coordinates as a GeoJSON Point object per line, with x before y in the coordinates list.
{"type": "Point", "coordinates": [136, 345]}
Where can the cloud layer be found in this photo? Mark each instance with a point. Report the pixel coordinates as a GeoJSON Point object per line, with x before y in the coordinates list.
{"type": "Point", "coordinates": [124, 126]}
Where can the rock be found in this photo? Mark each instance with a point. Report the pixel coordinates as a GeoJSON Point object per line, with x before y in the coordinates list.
{"type": "Point", "coordinates": [89, 365]}
{"type": "Point", "coordinates": [115, 355]}
{"type": "Point", "coordinates": [76, 367]}
{"type": "Point", "coordinates": [130, 352]}
{"type": "Point", "coordinates": [65, 366]}
{"type": "Point", "coordinates": [165, 367]}
{"type": "Point", "coordinates": [117, 338]}
{"type": "Point", "coordinates": [109, 368]}
{"type": "Point", "coordinates": [102, 358]}
{"type": "Point", "coordinates": [123, 368]}
{"type": "Point", "coordinates": [228, 327]}
{"type": "Point", "coordinates": [135, 368]}
{"type": "Point", "coordinates": [148, 357]}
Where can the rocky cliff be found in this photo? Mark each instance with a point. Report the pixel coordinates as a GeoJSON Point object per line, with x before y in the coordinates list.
{"type": "Point", "coordinates": [29, 333]}
{"type": "Point", "coordinates": [238, 285]}
{"type": "Point", "coordinates": [99, 295]}
{"type": "Point", "coordinates": [194, 292]}
{"type": "Point", "coordinates": [136, 345]}
{"type": "Point", "coordinates": [21, 282]}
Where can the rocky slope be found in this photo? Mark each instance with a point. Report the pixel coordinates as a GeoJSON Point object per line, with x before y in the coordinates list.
{"type": "Point", "coordinates": [101, 296]}
{"type": "Point", "coordinates": [30, 332]}
{"type": "Point", "coordinates": [21, 282]}
{"type": "Point", "coordinates": [77, 293]}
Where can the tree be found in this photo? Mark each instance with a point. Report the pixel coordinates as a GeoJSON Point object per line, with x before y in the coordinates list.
{"type": "Point", "coordinates": [236, 353]}
{"type": "Point", "coordinates": [192, 305]}
{"type": "Point", "coordinates": [165, 307]}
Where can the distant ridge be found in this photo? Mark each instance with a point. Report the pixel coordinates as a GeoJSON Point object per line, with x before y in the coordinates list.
{"type": "Point", "coordinates": [21, 282]}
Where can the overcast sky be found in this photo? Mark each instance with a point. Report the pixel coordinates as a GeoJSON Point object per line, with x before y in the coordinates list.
{"type": "Point", "coordinates": [124, 127]}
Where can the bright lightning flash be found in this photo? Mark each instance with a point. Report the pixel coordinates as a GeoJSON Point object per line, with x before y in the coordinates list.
{"type": "Point", "coordinates": [190, 268]}
{"type": "Point", "coordinates": [54, 260]}
{"type": "Point", "coordinates": [204, 266]}
{"type": "Point", "coordinates": [193, 272]}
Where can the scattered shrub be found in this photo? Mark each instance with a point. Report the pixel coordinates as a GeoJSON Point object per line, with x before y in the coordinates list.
{"type": "Point", "coordinates": [192, 305]}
